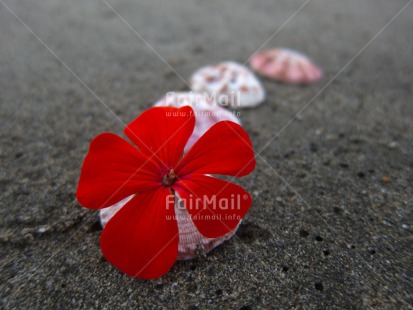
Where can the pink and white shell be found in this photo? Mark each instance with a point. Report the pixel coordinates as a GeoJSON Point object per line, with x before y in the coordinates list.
{"type": "Point", "coordinates": [230, 84]}
{"type": "Point", "coordinates": [286, 66]}
{"type": "Point", "coordinates": [207, 112]}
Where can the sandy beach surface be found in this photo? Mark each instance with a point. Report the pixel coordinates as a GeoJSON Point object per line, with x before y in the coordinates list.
{"type": "Point", "coordinates": [331, 225]}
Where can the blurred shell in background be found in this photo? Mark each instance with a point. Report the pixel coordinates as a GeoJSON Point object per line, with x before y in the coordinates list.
{"type": "Point", "coordinates": [286, 66]}
{"type": "Point", "coordinates": [230, 84]}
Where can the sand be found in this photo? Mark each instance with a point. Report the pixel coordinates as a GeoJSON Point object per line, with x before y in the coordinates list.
{"type": "Point", "coordinates": [331, 224]}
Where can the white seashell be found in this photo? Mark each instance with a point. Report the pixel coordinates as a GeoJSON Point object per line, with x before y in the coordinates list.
{"type": "Point", "coordinates": [207, 112]}
{"type": "Point", "coordinates": [107, 213]}
{"type": "Point", "coordinates": [230, 84]}
{"type": "Point", "coordinates": [191, 242]}
{"type": "Point", "coordinates": [286, 66]}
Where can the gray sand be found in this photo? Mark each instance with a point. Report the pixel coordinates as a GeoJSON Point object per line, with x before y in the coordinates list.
{"type": "Point", "coordinates": [325, 228]}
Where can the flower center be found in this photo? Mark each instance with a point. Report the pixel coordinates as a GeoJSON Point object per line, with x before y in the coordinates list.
{"type": "Point", "coordinates": [169, 179]}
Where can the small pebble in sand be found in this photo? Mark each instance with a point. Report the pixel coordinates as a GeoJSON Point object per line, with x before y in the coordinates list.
{"type": "Point", "coordinates": [392, 145]}
{"type": "Point", "coordinates": [385, 179]}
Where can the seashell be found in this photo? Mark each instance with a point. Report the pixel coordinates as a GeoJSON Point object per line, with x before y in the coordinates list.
{"type": "Point", "coordinates": [286, 65]}
{"type": "Point", "coordinates": [206, 110]}
{"type": "Point", "coordinates": [107, 213]}
{"type": "Point", "coordinates": [230, 84]}
{"type": "Point", "coordinates": [191, 242]}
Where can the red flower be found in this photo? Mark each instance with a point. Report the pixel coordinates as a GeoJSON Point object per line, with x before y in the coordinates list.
{"type": "Point", "coordinates": [142, 238]}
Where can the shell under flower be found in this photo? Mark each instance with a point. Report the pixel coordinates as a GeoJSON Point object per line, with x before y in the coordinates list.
{"type": "Point", "coordinates": [230, 84]}
{"type": "Point", "coordinates": [206, 110]}
{"type": "Point", "coordinates": [286, 66]}
{"type": "Point", "coordinates": [191, 242]}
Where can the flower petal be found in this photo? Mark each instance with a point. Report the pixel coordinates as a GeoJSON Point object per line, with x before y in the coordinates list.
{"type": "Point", "coordinates": [207, 111]}
{"type": "Point", "coordinates": [224, 149]}
{"type": "Point", "coordinates": [142, 237]}
{"type": "Point", "coordinates": [216, 206]}
{"type": "Point", "coordinates": [112, 170]}
{"type": "Point", "coordinates": [162, 132]}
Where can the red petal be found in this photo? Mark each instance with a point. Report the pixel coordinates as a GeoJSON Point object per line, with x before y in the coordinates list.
{"type": "Point", "coordinates": [142, 238]}
{"type": "Point", "coordinates": [114, 169]}
{"type": "Point", "coordinates": [224, 149]}
{"type": "Point", "coordinates": [163, 133]}
{"type": "Point", "coordinates": [216, 206]}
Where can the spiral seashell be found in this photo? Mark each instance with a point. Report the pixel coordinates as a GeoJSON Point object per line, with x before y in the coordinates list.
{"type": "Point", "coordinates": [286, 66]}
{"type": "Point", "coordinates": [207, 112]}
{"type": "Point", "coordinates": [191, 242]}
{"type": "Point", "coordinates": [230, 84]}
